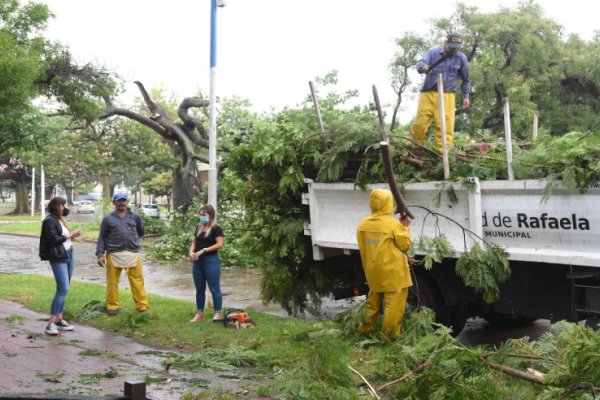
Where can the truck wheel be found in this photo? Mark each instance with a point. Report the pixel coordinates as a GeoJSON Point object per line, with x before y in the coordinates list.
{"type": "Point", "coordinates": [460, 314]}
{"type": "Point", "coordinates": [593, 323]}
{"type": "Point", "coordinates": [503, 320]}
{"type": "Point", "coordinates": [427, 294]}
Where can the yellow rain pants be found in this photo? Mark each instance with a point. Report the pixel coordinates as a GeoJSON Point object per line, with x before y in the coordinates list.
{"type": "Point", "coordinates": [383, 242]}
{"type": "Point", "coordinates": [136, 281]}
{"type": "Point", "coordinates": [429, 110]}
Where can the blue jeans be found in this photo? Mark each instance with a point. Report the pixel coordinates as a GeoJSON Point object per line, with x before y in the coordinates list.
{"type": "Point", "coordinates": [207, 269]}
{"type": "Point", "coordinates": [63, 271]}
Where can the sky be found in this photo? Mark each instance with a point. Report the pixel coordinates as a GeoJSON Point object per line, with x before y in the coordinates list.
{"type": "Point", "coordinates": [267, 50]}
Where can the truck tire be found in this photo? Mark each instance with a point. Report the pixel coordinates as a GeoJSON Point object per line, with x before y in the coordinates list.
{"type": "Point", "coordinates": [593, 323]}
{"type": "Point", "coordinates": [504, 320]}
{"type": "Point", "coordinates": [459, 315]}
{"type": "Point", "coordinates": [427, 294]}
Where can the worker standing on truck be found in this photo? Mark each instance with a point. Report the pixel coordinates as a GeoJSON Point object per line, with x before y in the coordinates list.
{"type": "Point", "coordinates": [383, 242]}
{"type": "Point", "coordinates": [453, 65]}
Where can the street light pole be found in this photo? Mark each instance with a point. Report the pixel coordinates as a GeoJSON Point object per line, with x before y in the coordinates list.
{"type": "Point", "coordinates": [212, 134]}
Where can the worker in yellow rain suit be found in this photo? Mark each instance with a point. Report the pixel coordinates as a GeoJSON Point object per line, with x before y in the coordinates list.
{"type": "Point", "coordinates": [383, 242]}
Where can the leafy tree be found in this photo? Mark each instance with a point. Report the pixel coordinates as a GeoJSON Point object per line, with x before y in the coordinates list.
{"type": "Point", "coordinates": [522, 55]}
{"type": "Point", "coordinates": [34, 68]}
{"type": "Point", "coordinates": [160, 185]}
{"type": "Point", "coordinates": [187, 138]}
{"type": "Point", "coordinates": [266, 174]}
{"type": "Point", "coordinates": [410, 46]}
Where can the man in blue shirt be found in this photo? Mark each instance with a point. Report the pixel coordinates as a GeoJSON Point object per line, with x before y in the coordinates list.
{"type": "Point", "coordinates": [453, 65]}
{"type": "Point", "coordinates": [118, 248]}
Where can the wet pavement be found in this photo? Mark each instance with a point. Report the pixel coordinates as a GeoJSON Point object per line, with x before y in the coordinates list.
{"type": "Point", "coordinates": [87, 362]}
{"type": "Point", "coordinates": [240, 287]}
{"type": "Point", "coordinates": [43, 364]}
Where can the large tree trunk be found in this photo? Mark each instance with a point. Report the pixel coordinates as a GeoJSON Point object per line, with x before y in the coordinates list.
{"type": "Point", "coordinates": [105, 187]}
{"type": "Point", "coordinates": [69, 191]}
{"type": "Point", "coordinates": [22, 194]}
{"type": "Point", "coordinates": [48, 190]}
{"type": "Point", "coordinates": [187, 138]}
{"type": "Point", "coordinates": [182, 195]}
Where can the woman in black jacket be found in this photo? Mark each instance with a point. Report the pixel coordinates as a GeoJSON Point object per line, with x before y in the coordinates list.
{"type": "Point", "coordinates": [56, 246]}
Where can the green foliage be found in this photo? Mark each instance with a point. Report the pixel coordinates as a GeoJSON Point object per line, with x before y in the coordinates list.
{"type": "Point", "coordinates": [435, 250]}
{"type": "Point", "coordinates": [573, 159]}
{"type": "Point", "coordinates": [154, 226]}
{"type": "Point", "coordinates": [484, 269]}
{"type": "Point", "coordinates": [212, 359]}
{"type": "Point", "coordinates": [160, 185]}
{"type": "Point", "coordinates": [297, 358]}
{"type": "Point", "coordinates": [178, 235]}
{"type": "Point", "coordinates": [90, 310]}
{"type": "Point", "coordinates": [325, 376]}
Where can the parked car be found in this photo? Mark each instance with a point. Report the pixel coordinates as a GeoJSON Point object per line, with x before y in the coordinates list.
{"type": "Point", "coordinates": [149, 209]}
{"type": "Point", "coordinates": [86, 206]}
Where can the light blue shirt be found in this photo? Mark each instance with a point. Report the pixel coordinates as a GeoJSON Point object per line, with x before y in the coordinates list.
{"type": "Point", "coordinates": [454, 68]}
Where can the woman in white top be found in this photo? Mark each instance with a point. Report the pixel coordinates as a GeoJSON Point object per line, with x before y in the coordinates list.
{"type": "Point", "coordinates": [56, 246]}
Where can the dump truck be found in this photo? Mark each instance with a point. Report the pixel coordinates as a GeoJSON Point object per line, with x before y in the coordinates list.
{"type": "Point", "coordinates": [552, 240]}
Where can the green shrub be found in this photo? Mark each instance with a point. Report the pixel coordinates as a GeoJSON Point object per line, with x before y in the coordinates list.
{"type": "Point", "coordinates": [154, 225]}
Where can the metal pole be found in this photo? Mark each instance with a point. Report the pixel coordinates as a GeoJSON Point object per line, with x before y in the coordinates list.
{"type": "Point", "coordinates": [440, 83]}
{"type": "Point", "coordinates": [32, 191]}
{"type": "Point", "coordinates": [317, 108]}
{"type": "Point", "coordinates": [212, 135]}
{"type": "Point", "coordinates": [42, 194]}
{"type": "Point", "coordinates": [508, 138]}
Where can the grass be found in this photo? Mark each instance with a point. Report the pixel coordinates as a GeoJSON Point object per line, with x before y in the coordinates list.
{"type": "Point", "coordinates": [277, 345]}
{"type": "Point", "coordinates": [290, 358]}
{"type": "Point", "coordinates": [8, 207]}
{"type": "Point", "coordinates": [33, 228]}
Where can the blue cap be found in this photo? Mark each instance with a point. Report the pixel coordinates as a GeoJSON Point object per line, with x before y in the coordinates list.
{"type": "Point", "coordinates": [120, 196]}
{"type": "Point", "coordinates": [455, 40]}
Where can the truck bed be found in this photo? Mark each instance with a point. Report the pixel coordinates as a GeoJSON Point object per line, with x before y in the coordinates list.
{"type": "Point", "coordinates": [563, 229]}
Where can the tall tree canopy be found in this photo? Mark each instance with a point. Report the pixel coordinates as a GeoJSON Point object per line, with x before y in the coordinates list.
{"type": "Point", "coordinates": [523, 55]}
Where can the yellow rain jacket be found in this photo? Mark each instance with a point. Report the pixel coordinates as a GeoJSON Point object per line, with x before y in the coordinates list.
{"type": "Point", "coordinates": [383, 242]}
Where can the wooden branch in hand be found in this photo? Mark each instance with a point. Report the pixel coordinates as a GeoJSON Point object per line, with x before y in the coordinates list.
{"type": "Point", "coordinates": [387, 162]}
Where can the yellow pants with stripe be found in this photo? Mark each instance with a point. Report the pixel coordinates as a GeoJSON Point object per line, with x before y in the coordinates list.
{"type": "Point", "coordinates": [394, 304]}
{"type": "Point", "coordinates": [428, 110]}
{"type": "Point", "coordinates": [136, 281]}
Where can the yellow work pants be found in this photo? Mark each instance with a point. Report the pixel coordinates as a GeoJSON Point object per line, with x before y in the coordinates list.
{"type": "Point", "coordinates": [428, 110]}
{"type": "Point", "coordinates": [394, 304]}
{"type": "Point", "coordinates": [136, 281]}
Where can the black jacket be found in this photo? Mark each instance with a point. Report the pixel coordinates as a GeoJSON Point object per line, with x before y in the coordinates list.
{"type": "Point", "coordinates": [51, 240]}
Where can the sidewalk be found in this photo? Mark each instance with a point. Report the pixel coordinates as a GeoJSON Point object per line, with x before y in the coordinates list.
{"type": "Point", "coordinates": [85, 362]}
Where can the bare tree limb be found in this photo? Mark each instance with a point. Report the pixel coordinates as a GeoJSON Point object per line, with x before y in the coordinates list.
{"type": "Point", "coordinates": [371, 389]}
{"type": "Point", "coordinates": [408, 375]}
{"type": "Point", "coordinates": [517, 373]}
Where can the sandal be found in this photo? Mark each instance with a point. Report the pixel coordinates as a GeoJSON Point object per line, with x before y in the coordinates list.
{"type": "Point", "coordinates": [198, 317]}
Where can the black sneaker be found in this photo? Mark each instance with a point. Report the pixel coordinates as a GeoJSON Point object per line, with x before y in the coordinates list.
{"type": "Point", "coordinates": [112, 313]}
{"type": "Point", "coordinates": [63, 325]}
